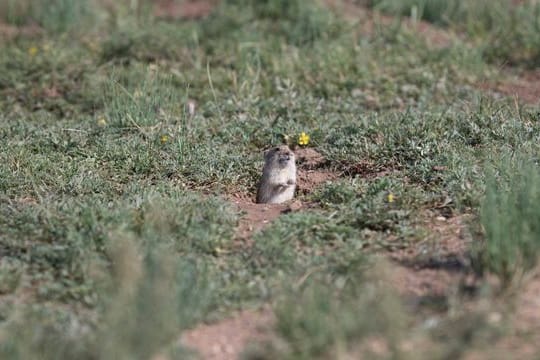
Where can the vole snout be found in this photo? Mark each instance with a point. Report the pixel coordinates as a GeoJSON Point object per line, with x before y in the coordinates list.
{"type": "Point", "coordinates": [284, 157]}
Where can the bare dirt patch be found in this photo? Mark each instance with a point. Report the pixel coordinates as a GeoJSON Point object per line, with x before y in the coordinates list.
{"type": "Point", "coordinates": [191, 9]}
{"type": "Point", "coordinates": [417, 283]}
{"type": "Point", "coordinates": [524, 341]}
{"type": "Point", "coordinates": [522, 323]}
{"type": "Point", "coordinates": [309, 158]}
{"type": "Point", "coordinates": [310, 174]}
{"type": "Point", "coordinates": [444, 245]}
{"type": "Point", "coordinates": [524, 86]}
{"type": "Point", "coordinates": [369, 169]}
{"type": "Point", "coordinates": [527, 318]}
{"type": "Point", "coordinates": [256, 216]}
{"type": "Point", "coordinates": [434, 267]}
{"type": "Point", "coordinates": [227, 339]}
{"type": "Point", "coordinates": [309, 180]}
{"type": "Point", "coordinates": [10, 32]}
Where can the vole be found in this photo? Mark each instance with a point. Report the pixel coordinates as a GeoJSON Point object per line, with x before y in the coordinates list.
{"type": "Point", "coordinates": [278, 180]}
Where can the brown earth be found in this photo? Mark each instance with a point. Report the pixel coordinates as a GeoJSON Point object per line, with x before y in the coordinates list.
{"type": "Point", "coordinates": [433, 267]}
{"type": "Point", "coordinates": [310, 174]}
{"type": "Point", "coordinates": [444, 245]}
{"type": "Point", "coordinates": [225, 340]}
{"type": "Point", "coordinates": [191, 9]}
{"type": "Point", "coordinates": [368, 169]}
{"type": "Point", "coordinates": [10, 32]}
{"type": "Point", "coordinates": [523, 339]}
{"type": "Point", "coordinates": [524, 86]}
{"type": "Point", "coordinates": [256, 216]}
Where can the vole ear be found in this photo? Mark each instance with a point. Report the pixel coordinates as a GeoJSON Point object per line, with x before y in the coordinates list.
{"type": "Point", "coordinates": [267, 150]}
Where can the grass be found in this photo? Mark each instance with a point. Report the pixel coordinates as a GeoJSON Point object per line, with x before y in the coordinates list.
{"type": "Point", "coordinates": [335, 323]}
{"type": "Point", "coordinates": [508, 217]}
{"type": "Point", "coordinates": [56, 16]}
{"type": "Point", "coordinates": [504, 29]}
{"type": "Point", "coordinates": [113, 196]}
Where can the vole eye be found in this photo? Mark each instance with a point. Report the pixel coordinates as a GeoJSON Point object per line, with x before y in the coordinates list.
{"type": "Point", "coordinates": [276, 149]}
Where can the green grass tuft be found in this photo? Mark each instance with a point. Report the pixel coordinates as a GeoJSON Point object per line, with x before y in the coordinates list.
{"type": "Point", "coordinates": [505, 30]}
{"type": "Point", "coordinates": [55, 16]}
{"type": "Point", "coordinates": [510, 217]}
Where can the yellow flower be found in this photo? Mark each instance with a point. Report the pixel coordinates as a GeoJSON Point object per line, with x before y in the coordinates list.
{"type": "Point", "coordinates": [101, 122]}
{"type": "Point", "coordinates": [32, 50]}
{"type": "Point", "coordinates": [303, 139]}
{"type": "Point", "coordinates": [164, 139]}
{"type": "Point", "coordinates": [390, 198]}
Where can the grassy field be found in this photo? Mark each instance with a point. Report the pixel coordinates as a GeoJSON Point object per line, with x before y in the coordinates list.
{"type": "Point", "coordinates": [124, 138]}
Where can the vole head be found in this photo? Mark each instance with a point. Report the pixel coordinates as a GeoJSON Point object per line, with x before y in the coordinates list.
{"type": "Point", "coordinates": [280, 156]}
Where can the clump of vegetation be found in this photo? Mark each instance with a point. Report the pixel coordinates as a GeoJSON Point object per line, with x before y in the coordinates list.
{"type": "Point", "coordinates": [506, 31]}
{"type": "Point", "coordinates": [298, 22]}
{"type": "Point", "coordinates": [149, 298]}
{"type": "Point", "coordinates": [510, 217]}
{"type": "Point", "coordinates": [336, 321]}
{"type": "Point", "coordinates": [55, 16]}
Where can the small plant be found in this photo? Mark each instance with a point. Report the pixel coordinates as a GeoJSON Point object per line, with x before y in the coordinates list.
{"type": "Point", "coordinates": [510, 216]}
{"type": "Point", "coordinates": [154, 296]}
{"type": "Point", "coordinates": [299, 22]}
{"type": "Point", "coordinates": [334, 316]}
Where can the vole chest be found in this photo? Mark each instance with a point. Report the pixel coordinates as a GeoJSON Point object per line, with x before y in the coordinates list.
{"type": "Point", "coordinates": [282, 175]}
